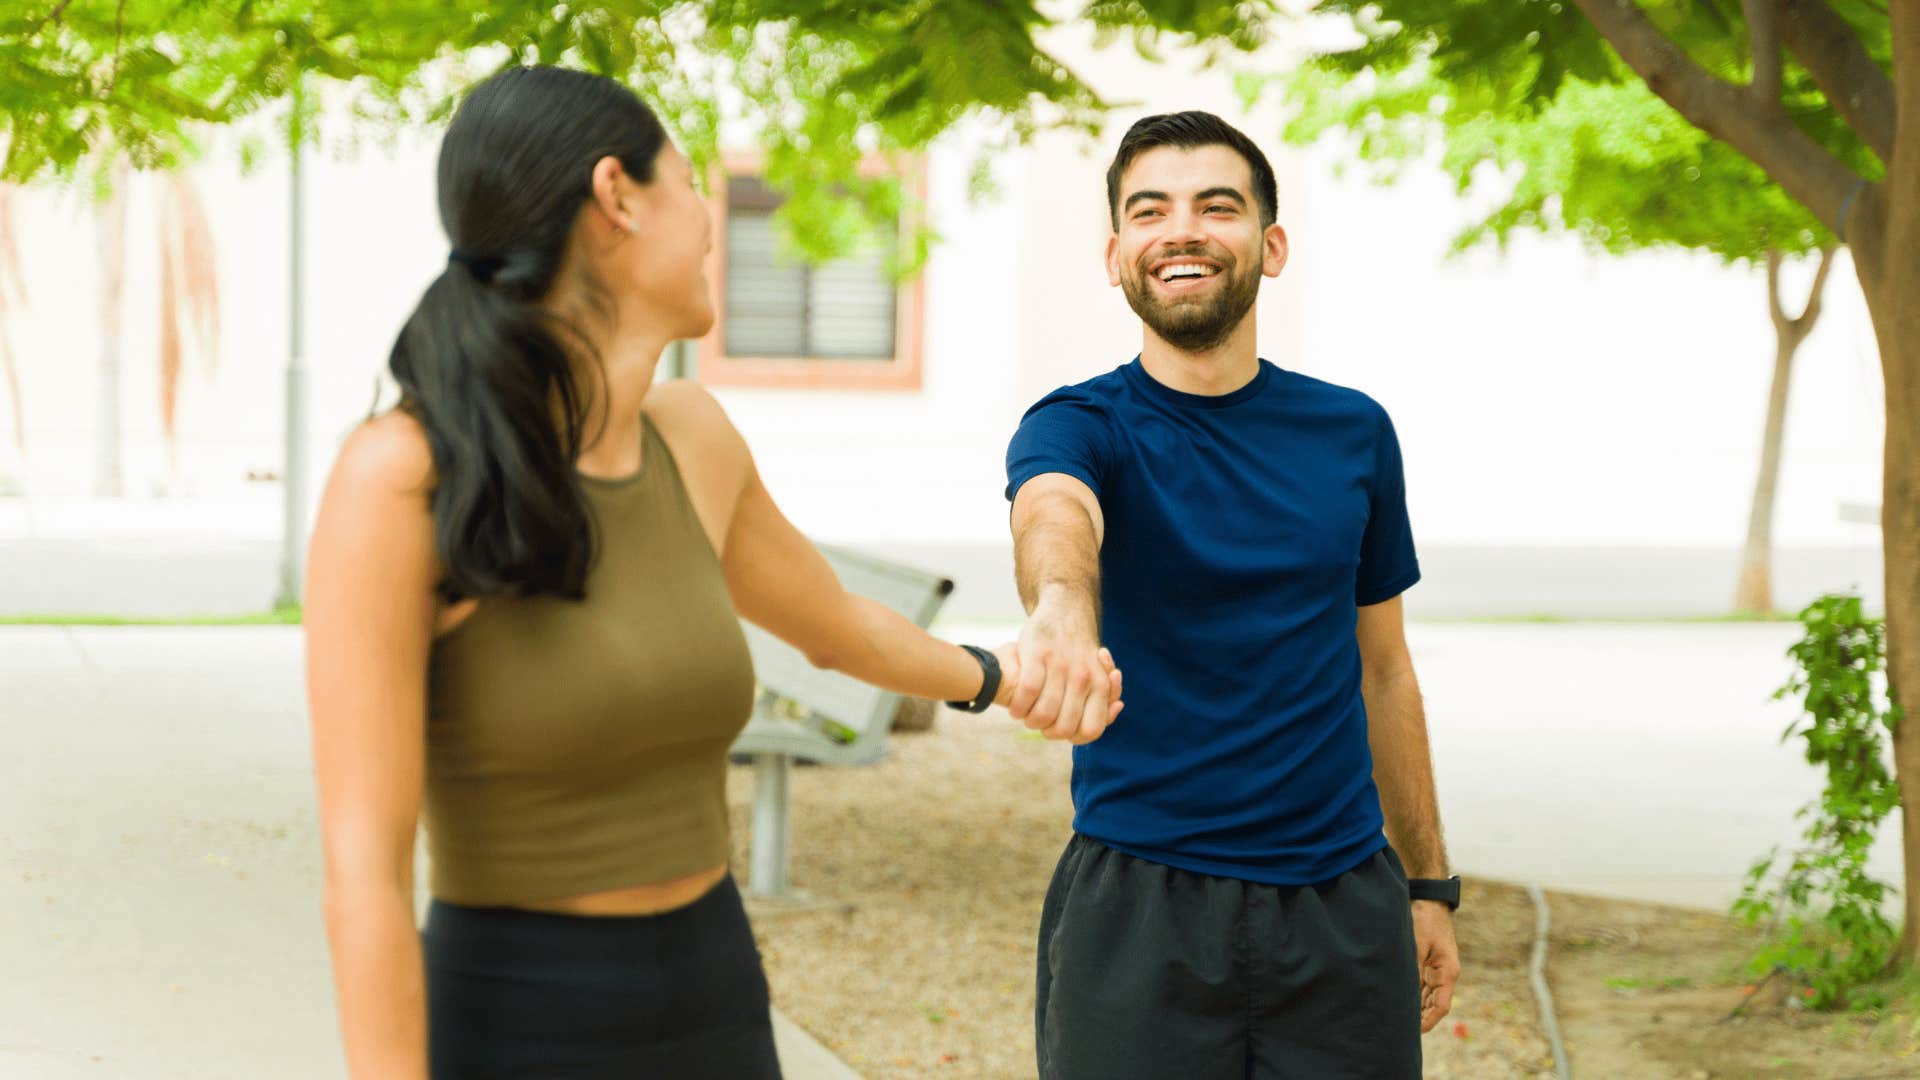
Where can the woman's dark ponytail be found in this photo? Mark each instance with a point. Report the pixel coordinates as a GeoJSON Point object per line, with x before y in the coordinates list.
{"type": "Point", "coordinates": [492, 376]}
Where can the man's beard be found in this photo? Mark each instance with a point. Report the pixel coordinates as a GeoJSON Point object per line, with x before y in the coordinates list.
{"type": "Point", "coordinates": [1193, 324]}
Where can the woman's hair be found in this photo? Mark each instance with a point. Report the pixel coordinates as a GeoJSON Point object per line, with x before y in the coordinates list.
{"type": "Point", "coordinates": [488, 373]}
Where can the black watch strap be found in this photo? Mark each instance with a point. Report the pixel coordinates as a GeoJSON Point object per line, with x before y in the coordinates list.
{"type": "Point", "coordinates": [989, 684]}
{"type": "Point", "coordinates": [1442, 890]}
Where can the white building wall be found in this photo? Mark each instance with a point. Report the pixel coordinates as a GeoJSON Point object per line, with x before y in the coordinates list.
{"type": "Point", "coordinates": [1545, 399]}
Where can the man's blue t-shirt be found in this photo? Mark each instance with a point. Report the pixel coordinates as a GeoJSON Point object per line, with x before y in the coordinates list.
{"type": "Point", "coordinates": [1242, 533]}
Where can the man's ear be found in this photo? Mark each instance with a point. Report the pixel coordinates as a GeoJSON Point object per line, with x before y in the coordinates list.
{"type": "Point", "coordinates": [1113, 259]}
{"type": "Point", "coordinates": [1273, 254]}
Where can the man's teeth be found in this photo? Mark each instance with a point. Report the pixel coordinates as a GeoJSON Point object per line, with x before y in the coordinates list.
{"type": "Point", "coordinates": [1186, 270]}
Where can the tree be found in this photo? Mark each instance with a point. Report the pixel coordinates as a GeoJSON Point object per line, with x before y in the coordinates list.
{"type": "Point", "coordinates": [110, 242]}
{"type": "Point", "coordinates": [13, 296]}
{"type": "Point", "coordinates": [189, 295]}
{"type": "Point", "coordinates": [1606, 161]}
{"type": "Point", "coordinates": [87, 84]}
{"type": "Point", "coordinates": [820, 84]}
{"type": "Point", "coordinates": [189, 300]}
{"type": "Point", "coordinates": [1823, 98]}
{"type": "Point", "coordinates": [1754, 591]}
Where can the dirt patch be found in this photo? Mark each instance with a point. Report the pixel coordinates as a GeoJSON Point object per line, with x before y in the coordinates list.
{"type": "Point", "coordinates": [1648, 991]}
{"type": "Point", "coordinates": [944, 850]}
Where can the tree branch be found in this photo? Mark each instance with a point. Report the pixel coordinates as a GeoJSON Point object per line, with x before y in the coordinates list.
{"type": "Point", "coordinates": [1903, 26]}
{"type": "Point", "coordinates": [1774, 308]}
{"type": "Point", "coordinates": [53, 16]}
{"type": "Point", "coordinates": [1763, 36]}
{"type": "Point", "coordinates": [1832, 53]}
{"type": "Point", "coordinates": [1721, 109]}
{"type": "Point", "coordinates": [1811, 313]}
{"type": "Point", "coordinates": [119, 33]}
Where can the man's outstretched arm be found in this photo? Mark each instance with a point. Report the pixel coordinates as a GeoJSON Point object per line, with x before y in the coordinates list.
{"type": "Point", "coordinates": [1068, 686]}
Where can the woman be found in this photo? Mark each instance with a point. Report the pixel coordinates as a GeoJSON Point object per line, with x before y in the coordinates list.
{"type": "Point", "coordinates": [522, 625]}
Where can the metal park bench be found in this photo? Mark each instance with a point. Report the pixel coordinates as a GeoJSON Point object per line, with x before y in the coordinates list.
{"type": "Point", "coordinates": [808, 714]}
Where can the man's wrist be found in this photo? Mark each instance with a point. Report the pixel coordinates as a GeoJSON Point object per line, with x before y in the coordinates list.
{"type": "Point", "coordinates": [1442, 891]}
{"type": "Point", "coordinates": [1064, 605]}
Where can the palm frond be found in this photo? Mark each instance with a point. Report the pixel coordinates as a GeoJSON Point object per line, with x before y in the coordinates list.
{"type": "Point", "coordinates": [13, 284]}
{"type": "Point", "coordinates": [13, 390]}
{"type": "Point", "coordinates": [10, 277]}
{"type": "Point", "coordinates": [199, 278]}
{"type": "Point", "coordinates": [169, 318]}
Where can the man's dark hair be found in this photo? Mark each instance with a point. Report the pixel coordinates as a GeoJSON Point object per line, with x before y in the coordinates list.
{"type": "Point", "coordinates": [1186, 131]}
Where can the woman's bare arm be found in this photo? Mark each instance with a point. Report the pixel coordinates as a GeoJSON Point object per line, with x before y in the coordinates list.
{"type": "Point", "coordinates": [781, 582]}
{"type": "Point", "coordinates": [369, 613]}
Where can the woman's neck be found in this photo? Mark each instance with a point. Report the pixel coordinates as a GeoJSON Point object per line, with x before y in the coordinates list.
{"type": "Point", "coordinates": [614, 384]}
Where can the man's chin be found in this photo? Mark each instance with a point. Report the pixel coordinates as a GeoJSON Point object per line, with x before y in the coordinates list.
{"type": "Point", "coordinates": [1193, 335]}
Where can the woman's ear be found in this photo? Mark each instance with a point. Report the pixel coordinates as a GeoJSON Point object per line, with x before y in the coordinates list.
{"type": "Point", "coordinates": [613, 195]}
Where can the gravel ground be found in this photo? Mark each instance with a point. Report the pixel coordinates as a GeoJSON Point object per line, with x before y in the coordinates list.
{"type": "Point", "coordinates": [944, 850]}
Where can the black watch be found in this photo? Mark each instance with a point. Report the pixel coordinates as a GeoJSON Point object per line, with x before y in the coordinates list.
{"type": "Point", "coordinates": [1443, 890]}
{"type": "Point", "coordinates": [989, 684]}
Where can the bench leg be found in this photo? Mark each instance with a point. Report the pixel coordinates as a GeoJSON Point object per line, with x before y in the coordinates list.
{"type": "Point", "coordinates": [770, 823]}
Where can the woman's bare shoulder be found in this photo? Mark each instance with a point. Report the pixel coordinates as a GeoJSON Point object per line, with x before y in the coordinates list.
{"type": "Point", "coordinates": [687, 412]}
{"type": "Point", "coordinates": [388, 453]}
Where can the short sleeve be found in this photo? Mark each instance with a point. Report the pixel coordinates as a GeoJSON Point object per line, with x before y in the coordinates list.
{"type": "Point", "coordinates": [1388, 566]}
{"type": "Point", "coordinates": [1069, 432]}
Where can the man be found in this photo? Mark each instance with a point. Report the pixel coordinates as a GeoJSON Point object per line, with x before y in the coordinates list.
{"type": "Point", "coordinates": [1237, 535]}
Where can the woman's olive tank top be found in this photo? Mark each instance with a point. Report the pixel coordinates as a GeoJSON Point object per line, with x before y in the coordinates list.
{"type": "Point", "coordinates": [579, 746]}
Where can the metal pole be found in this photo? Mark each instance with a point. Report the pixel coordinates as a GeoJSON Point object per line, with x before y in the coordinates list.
{"type": "Point", "coordinates": [677, 360]}
{"type": "Point", "coordinates": [768, 860]}
{"type": "Point", "coordinates": [293, 477]}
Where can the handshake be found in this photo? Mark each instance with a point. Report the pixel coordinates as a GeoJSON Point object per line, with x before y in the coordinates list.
{"type": "Point", "coordinates": [1058, 680]}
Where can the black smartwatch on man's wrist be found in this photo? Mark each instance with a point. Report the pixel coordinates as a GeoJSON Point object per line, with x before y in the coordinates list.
{"type": "Point", "coordinates": [1441, 890]}
{"type": "Point", "coordinates": [989, 684]}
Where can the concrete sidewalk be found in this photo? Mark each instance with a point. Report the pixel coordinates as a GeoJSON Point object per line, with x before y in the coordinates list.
{"type": "Point", "coordinates": [159, 859]}
{"type": "Point", "coordinates": [221, 555]}
{"type": "Point", "coordinates": [160, 862]}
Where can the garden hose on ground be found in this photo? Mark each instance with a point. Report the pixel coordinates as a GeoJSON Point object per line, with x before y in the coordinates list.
{"type": "Point", "coordinates": [1538, 976]}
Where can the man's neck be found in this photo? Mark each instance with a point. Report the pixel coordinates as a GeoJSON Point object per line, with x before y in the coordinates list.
{"type": "Point", "coordinates": [1222, 370]}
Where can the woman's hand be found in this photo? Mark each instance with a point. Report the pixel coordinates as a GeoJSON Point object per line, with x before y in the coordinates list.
{"type": "Point", "coordinates": [1009, 657]}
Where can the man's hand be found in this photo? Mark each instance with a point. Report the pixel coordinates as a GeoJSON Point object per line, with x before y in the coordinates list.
{"type": "Point", "coordinates": [1068, 686]}
{"type": "Point", "coordinates": [1439, 960]}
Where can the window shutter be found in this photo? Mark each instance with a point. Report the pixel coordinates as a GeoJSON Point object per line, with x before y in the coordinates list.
{"type": "Point", "coordinates": [766, 300]}
{"type": "Point", "coordinates": [784, 309]}
{"type": "Point", "coordinates": [851, 309]}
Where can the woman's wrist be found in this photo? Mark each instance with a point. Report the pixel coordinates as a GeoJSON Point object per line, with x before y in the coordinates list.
{"type": "Point", "coordinates": [990, 681]}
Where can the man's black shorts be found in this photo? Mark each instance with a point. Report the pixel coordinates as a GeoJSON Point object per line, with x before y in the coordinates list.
{"type": "Point", "coordinates": [1148, 972]}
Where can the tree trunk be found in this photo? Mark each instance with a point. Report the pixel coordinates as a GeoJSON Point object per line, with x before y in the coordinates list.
{"type": "Point", "coordinates": [13, 390]}
{"type": "Point", "coordinates": [169, 346]}
{"type": "Point", "coordinates": [1883, 231]}
{"type": "Point", "coordinates": [111, 224]}
{"type": "Point", "coordinates": [13, 295]}
{"type": "Point", "coordinates": [1754, 595]}
{"type": "Point", "coordinates": [1900, 531]}
{"type": "Point", "coordinates": [1891, 277]}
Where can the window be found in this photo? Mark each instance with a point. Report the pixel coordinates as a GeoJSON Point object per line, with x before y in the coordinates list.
{"type": "Point", "coordinates": [780, 322]}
